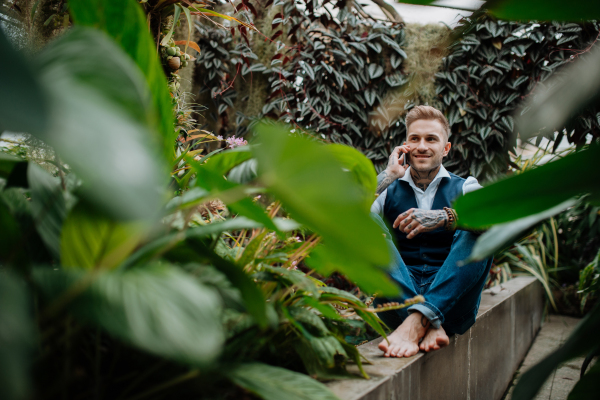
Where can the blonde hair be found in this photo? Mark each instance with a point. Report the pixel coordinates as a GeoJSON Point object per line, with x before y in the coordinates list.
{"type": "Point", "coordinates": [429, 113]}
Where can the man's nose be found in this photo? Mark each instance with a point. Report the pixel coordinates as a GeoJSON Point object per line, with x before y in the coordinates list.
{"type": "Point", "coordinates": [422, 146]}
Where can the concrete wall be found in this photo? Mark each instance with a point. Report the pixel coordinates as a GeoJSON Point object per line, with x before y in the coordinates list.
{"type": "Point", "coordinates": [477, 365]}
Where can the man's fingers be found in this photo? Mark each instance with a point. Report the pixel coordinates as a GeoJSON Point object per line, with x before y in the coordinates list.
{"type": "Point", "coordinates": [399, 219]}
{"type": "Point", "coordinates": [402, 217]}
{"type": "Point", "coordinates": [414, 233]}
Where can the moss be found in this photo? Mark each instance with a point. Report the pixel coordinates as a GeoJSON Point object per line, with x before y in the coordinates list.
{"type": "Point", "coordinates": [426, 47]}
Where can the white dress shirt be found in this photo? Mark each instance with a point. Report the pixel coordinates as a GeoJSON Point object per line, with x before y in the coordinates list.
{"type": "Point", "coordinates": [425, 198]}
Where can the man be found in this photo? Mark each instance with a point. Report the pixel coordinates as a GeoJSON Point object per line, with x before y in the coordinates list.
{"type": "Point", "coordinates": [415, 200]}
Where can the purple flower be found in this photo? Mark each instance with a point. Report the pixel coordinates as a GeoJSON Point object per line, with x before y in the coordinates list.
{"type": "Point", "coordinates": [234, 142]}
{"type": "Point", "coordinates": [220, 137]}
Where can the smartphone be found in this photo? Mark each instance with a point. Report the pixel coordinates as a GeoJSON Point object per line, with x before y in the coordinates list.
{"type": "Point", "coordinates": [405, 162]}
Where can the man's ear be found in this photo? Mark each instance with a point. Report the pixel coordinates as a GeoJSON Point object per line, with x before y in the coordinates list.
{"type": "Point", "coordinates": [447, 148]}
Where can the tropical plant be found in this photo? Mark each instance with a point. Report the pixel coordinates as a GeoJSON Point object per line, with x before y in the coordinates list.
{"type": "Point", "coordinates": [488, 73]}
{"type": "Point", "coordinates": [110, 288]}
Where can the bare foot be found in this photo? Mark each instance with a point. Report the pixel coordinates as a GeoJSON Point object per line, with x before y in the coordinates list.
{"type": "Point", "coordinates": [404, 341]}
{"type": "Point", "coordinates": [434, 339]}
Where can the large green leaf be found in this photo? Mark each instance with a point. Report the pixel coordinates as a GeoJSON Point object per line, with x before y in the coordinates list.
{"type": "Point", "coordinates": [125, 22]}
{"type": "Point", "coordinates": [531, 192]}
{"type": "Point", "coordinates": [371, 280]}
{"type": "Point", "coordinates": [48, 206]}
{"type": "Point", "coordinates": [583, 340]}
{"type": "Point", "coordinates": [550, 107]}
{"type": "Point", "coordinates": [101, 115]}
{"type": "Point", "coordinates": [23, 101]}
{"type": "Point", "coordinates": [504, 234]}
{"type": "Point", "coordinates": [315, 190]}
{"type": "Point", "coordinates": [544, 10]}
{"type": "Point", "coordinates": [360, 167]}
{"type": "Point", "coordinates": [160, 310]}
{"type": "Point", "coordinates": [91, 240]}
{"type": "Point", "coordinates": [253, 297]}
{"type": "Point", "coordinates": [189, 242]}
{"type": "Point", "coordinates": [273, 383]}
{"type": "Point", "coordinates": [16, 338]}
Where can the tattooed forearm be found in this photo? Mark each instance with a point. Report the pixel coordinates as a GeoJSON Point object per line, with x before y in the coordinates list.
{"type": "Point", "coordinates": [385, 182]}
{"type": "Point", "coordinates": [430, 219]}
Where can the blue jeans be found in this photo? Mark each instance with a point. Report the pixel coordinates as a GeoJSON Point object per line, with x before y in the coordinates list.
{"type": "Point", "coordinates": [452, 293]}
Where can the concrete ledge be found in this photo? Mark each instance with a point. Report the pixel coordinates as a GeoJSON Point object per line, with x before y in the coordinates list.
{"type": "Point", "coordinates": [477, 365]}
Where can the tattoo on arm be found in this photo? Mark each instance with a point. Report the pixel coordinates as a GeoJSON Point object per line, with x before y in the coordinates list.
{"type": "Point", "coordinates": [430, 219]}
{"type": "Point", "coordinates": [385, 182]}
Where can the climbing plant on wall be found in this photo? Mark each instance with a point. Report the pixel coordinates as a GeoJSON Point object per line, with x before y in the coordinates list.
{"type": "Point", "coordinates": [487, 74]}
{"type": "Point", "coordinates": [323, 73]}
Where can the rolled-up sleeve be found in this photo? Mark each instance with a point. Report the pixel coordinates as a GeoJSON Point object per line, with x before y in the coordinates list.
{"type": "Point", "coordinates": [471, 185]}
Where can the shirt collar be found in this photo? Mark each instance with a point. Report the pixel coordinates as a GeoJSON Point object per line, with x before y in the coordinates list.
{"type": "Point", "coordinates": [442, 173]}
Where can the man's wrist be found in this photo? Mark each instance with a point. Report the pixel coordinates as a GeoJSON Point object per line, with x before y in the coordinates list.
{"type": "Point", "coordinates": [393, 174]}
{"type": "Point", "coordinates": [451, 218]}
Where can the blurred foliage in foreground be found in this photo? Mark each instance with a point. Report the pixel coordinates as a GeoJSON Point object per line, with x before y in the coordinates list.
{"type": "Point", "coordinates": [110, 288]}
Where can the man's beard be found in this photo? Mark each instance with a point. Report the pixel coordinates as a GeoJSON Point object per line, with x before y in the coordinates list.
{"type": "Point", "coordinates": [435, 162]}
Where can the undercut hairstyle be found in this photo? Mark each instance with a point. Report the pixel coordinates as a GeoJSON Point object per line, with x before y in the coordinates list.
{"type": "Point", "coordinates": [428, 113]}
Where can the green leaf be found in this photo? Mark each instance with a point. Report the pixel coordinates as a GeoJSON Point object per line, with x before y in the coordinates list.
{"type": "Point", "coordinates": [16, 338]}
{"type": "Point", "coordinates": [544, 10]}
{"type": "Point", "coordinates": [125, 22]}
{"type": "Point", "coordinates": [274, 383]}
{"type": "Point", "coordinates": [253, 297]}
{"type": "Point", "coordinates": [587, 387]}
{"type": "Point", "coordinates": [101, 118]}
{"type": "Point", "coordinates": [504, 234]}
{"type": "Point", "coordinates": [8, 164]}
{"type": "Point", "coordinates": [562, 96]}
{"type": "Point", "coordinates": [48, 206]}
{"type": "Point", "coordinates": [210, 176]}
{"type": "Point", "coordinates": [10, 235]}
{"type": "Point", "coordinates": [298, 279]}
{"type": "Point", "coordinates": [176, 14]}
{"type": "Point", "coordinates": [166, 242]}
{"type": "Point", "coordinates": [369, 278]}
{"type": "Point", "coordinates": [532, 191]}
{"type": "Point", "coordinates": [243, 173]}
{"type": "Point", "coordinates": [189, 198]}
{"type": "Point", "coordinates": [583, 340]}
{"type": "Point", "coordinates": [314, 189]}
{"type": "Point", "coordinates": [250, 251]}
{"type": "Point", "coordinates": [23, 100]}
{"type": "Point", "coordinates": [325, 309]}
{"type": "Point", "coordinates": [160, 310]}
{"type": "Point", "coordinates": [91, 240]}
{"type": "Point", "coordinates": [361, 168]}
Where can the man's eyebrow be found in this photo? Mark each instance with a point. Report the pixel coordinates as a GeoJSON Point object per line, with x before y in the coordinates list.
{"type": "Point", "coordinates": [426, 134]}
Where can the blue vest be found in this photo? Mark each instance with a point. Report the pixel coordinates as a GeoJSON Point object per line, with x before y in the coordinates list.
{"type": "Point", "coordinates": [429, 248]}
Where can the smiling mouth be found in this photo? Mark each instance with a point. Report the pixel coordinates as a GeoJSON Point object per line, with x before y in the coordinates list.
{"type": "Point", "coordinates": [421, 156]}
